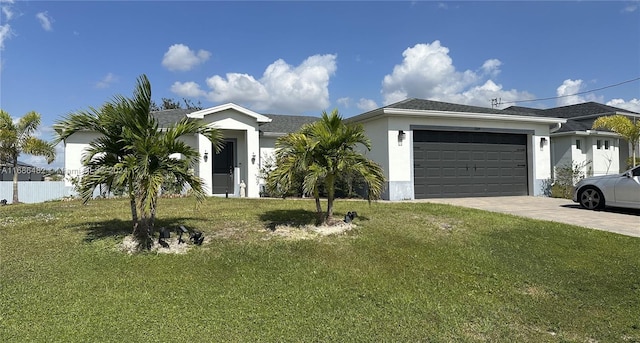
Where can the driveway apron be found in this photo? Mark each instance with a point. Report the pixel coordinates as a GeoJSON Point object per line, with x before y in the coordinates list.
{"type": "Point", "coordinates": [622, 221]}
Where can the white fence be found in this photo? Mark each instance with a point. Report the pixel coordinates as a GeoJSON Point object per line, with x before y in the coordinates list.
{"type": "Point", "coordinates": [35, 191]}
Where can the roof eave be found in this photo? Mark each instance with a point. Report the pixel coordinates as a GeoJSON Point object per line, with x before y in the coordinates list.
{"type": "Point", "coordinates": [473, 115]}
{"type": "Point", "coordinates": [200, 114]}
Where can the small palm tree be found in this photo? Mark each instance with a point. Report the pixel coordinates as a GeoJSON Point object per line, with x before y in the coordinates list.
{"type": "Point", "coordinates": [335, 154]}
{"type": "Point", "coordinates": [629, 130]}
{"type": "Point", "coordinates": [323, 152]}
{"type": "Point", "coordinates": [133, 153]}
{"type": "Point", "coordinates": [17, 138]}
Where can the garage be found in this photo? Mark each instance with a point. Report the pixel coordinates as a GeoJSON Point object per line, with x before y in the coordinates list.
{"type": "Point", "coordinates": [469, 164]}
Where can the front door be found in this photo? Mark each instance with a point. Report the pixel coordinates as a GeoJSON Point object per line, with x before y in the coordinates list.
{"type": "Point", "coordinates": [223, 165]}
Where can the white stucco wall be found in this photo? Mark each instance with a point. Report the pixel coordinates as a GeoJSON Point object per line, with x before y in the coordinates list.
{"type": "Point", "coordinates": [74, 150]}
{"type": "Point", "coordinates": [603, 161]}
{"type": "Point", "coordinates": [397, 160]}
{"type": "Point", "coordinates": [242, 129]}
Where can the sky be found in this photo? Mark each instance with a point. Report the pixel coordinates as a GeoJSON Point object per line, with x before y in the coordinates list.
{"type": "Point", "coordinates": [305, 57]}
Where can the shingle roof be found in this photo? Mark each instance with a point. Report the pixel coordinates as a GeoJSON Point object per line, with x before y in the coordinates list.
{"type": "Point", "coordinates": [281, 123]}
{"type": "Point", "coordinates": [168, 117]}
{"type": "Point", "coordinates": [523, 109]}
{"type": "Point", "coordinates": [577, 125]}
{"type": "Point", "coordinates": [582, 110]}
{"type": "Point", "coordinates": [431, 105]}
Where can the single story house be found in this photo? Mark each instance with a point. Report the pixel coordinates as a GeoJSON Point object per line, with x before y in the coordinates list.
{"type": "Point", "coordinates": [600, 151]}
{"type": "Point", "coordinates": [428, 149]}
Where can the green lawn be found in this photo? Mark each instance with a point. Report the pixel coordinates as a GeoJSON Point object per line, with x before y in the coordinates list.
{"type": "Point", "coordinates": [409, 272]}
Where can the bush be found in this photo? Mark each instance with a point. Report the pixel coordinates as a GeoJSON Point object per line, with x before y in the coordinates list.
{"type": "Point", "coordinates": [565, 177]}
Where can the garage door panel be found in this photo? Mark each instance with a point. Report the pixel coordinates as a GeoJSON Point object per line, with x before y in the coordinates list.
{"type": "Point", "coordinates": [453, 164]}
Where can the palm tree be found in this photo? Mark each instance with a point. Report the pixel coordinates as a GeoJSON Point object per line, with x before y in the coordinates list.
{"type": "Point", "coordinates": [133, 153]}
{"type": "Point", "coordinates": [294, 157]}
{"type": "Point", "coordinates": [336, 155]}
{"type": "Point", "coordinates": [323, 152]}
{"type": "Point", "coordinates": [17, 138]}
{"type": "Point", "coordinates": [629, 130]}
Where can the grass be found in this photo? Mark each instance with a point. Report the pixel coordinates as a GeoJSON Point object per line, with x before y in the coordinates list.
{"type": "Point", "coordinates": [408, 272]}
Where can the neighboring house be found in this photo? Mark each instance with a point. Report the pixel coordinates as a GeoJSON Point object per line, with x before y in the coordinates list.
{"type": "Point", "coordinates": [431, 149]}
{"type": "Point", "coordinates": [248, 138]}
{"type": "Point", "coordinates": [26, 172]}
{"type": "Point", "coordinates": [600, 151]}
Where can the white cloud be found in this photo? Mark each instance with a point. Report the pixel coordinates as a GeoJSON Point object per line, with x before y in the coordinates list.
{"type": "Point", "coordinates": [5, 29]}
{"type": "Point", "coordinates": [491, 67]}
{"type": "Point", "coordinates": [5, 33]}
{"type": "Point", "coordinates": [630, 8]}
{"type": "Point", "coordinates": [427, 72]}
{"type": "Point", "coordinates": [8, 13]}
{"type": "Point", "coordinates": [45, 20]}
{"type": "Point", "coordinates": [282, 87]}
{"type": "Point", "coordinates": [181, 57]}
{"type": "Point", "coordinates": [568, 93]}
{"type": "Point", "coordinates": [367, 104]}
{"type": "Point", "coordinates": [107, 81]}
{"type": "Point", "coordinates": [345, 102]}
{"type": "Point", "coordinates": [187, 89]}
{"type": "Point", "coordinates": [631, 105]}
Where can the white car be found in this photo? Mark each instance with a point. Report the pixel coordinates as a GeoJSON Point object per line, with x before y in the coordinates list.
{"type": "Point", "coordinates": [618, 190]}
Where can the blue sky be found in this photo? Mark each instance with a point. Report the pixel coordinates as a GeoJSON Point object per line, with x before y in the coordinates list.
{"type": "Point", "coordinates": [305, 57]}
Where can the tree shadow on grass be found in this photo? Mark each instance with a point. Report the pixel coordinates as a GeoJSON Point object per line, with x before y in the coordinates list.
{"type": "Point", "coordinates": [296, 218]}
{"type": "Point", "coordinates": [120, 228]}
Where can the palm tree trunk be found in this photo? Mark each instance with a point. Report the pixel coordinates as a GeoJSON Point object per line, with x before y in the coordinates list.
{"type": "Point", "coordinates": [316, 195]}
{"type": "Point", "coordinates": [15, 180]}
{"type": "Point", "coordinates": [132, 203]}
{"type": "Point", "coordinates": [331, 188]}
{"type": "Point", "coordinates": [152, 219]}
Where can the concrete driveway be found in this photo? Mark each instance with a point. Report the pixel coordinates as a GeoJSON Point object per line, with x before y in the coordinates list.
{"type": "Point", "coordinates": [622, 221]}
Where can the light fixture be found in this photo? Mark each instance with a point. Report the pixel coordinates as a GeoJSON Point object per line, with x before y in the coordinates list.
{"type": "Point", "coordinates": [253, 158]}
{"type": "Point", "coordinates": [543, 142]}
{"type": "Point", "coordinates": [206, 155]}
{"type": "Point", "coordinates": [401, 136]}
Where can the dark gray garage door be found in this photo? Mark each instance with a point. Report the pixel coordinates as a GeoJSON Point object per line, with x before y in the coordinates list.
{"type": "Point", "coordinates": [468, 164]}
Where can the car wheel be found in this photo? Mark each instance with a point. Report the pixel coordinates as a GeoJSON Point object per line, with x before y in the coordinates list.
{"type": "Point", "coordinates": [591, 199]}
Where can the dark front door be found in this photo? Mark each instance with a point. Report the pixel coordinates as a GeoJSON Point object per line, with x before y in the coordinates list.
{"type": "Point", "coordinates": [223, 163]}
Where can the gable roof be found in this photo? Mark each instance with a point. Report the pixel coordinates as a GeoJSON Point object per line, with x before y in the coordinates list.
{"type": "Point", "coordinates": [274, 124]}
{"type": "Point", "coordinates": [201, 113]}
{"type": "Point", "coordinates": [580, 116]}
{"type": "Point", "coordinates": [282, 124]}
{"type": "Point", "coordinates": [431, 105]}
{"type": "Point", "coordinates": [585, 109]}
{"type": "Point", "coordinates": [431, 108]}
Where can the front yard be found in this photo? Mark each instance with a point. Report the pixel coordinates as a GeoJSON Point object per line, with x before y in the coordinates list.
{"type": "Point", "coordinates": [407, 272]}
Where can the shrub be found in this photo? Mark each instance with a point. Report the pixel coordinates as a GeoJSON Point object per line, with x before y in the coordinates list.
{"type": "Point", "coordinates": [565, 177]}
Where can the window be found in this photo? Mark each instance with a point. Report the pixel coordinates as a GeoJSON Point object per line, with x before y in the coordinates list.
{"type": "Point", "coordinates": [606, 145]}
{"type": "Point", "coordinates": [578, 144]}
{"type": "Point", "coordinates": [599, 144]}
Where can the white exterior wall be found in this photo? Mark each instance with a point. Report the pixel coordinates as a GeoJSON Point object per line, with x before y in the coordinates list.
{"type": "Point", "coordinates": [378, 133]}
{"type": "Point", "coordinates": [243, 129]}
{"type": "Point", "coordinates": [267, 153]}
{"type": "Point", "coordinates": [397, 160]}
{"type": "Point", "coordinates": [603, 161]}
{"type": "Point", "coordinates": [74, 149]}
